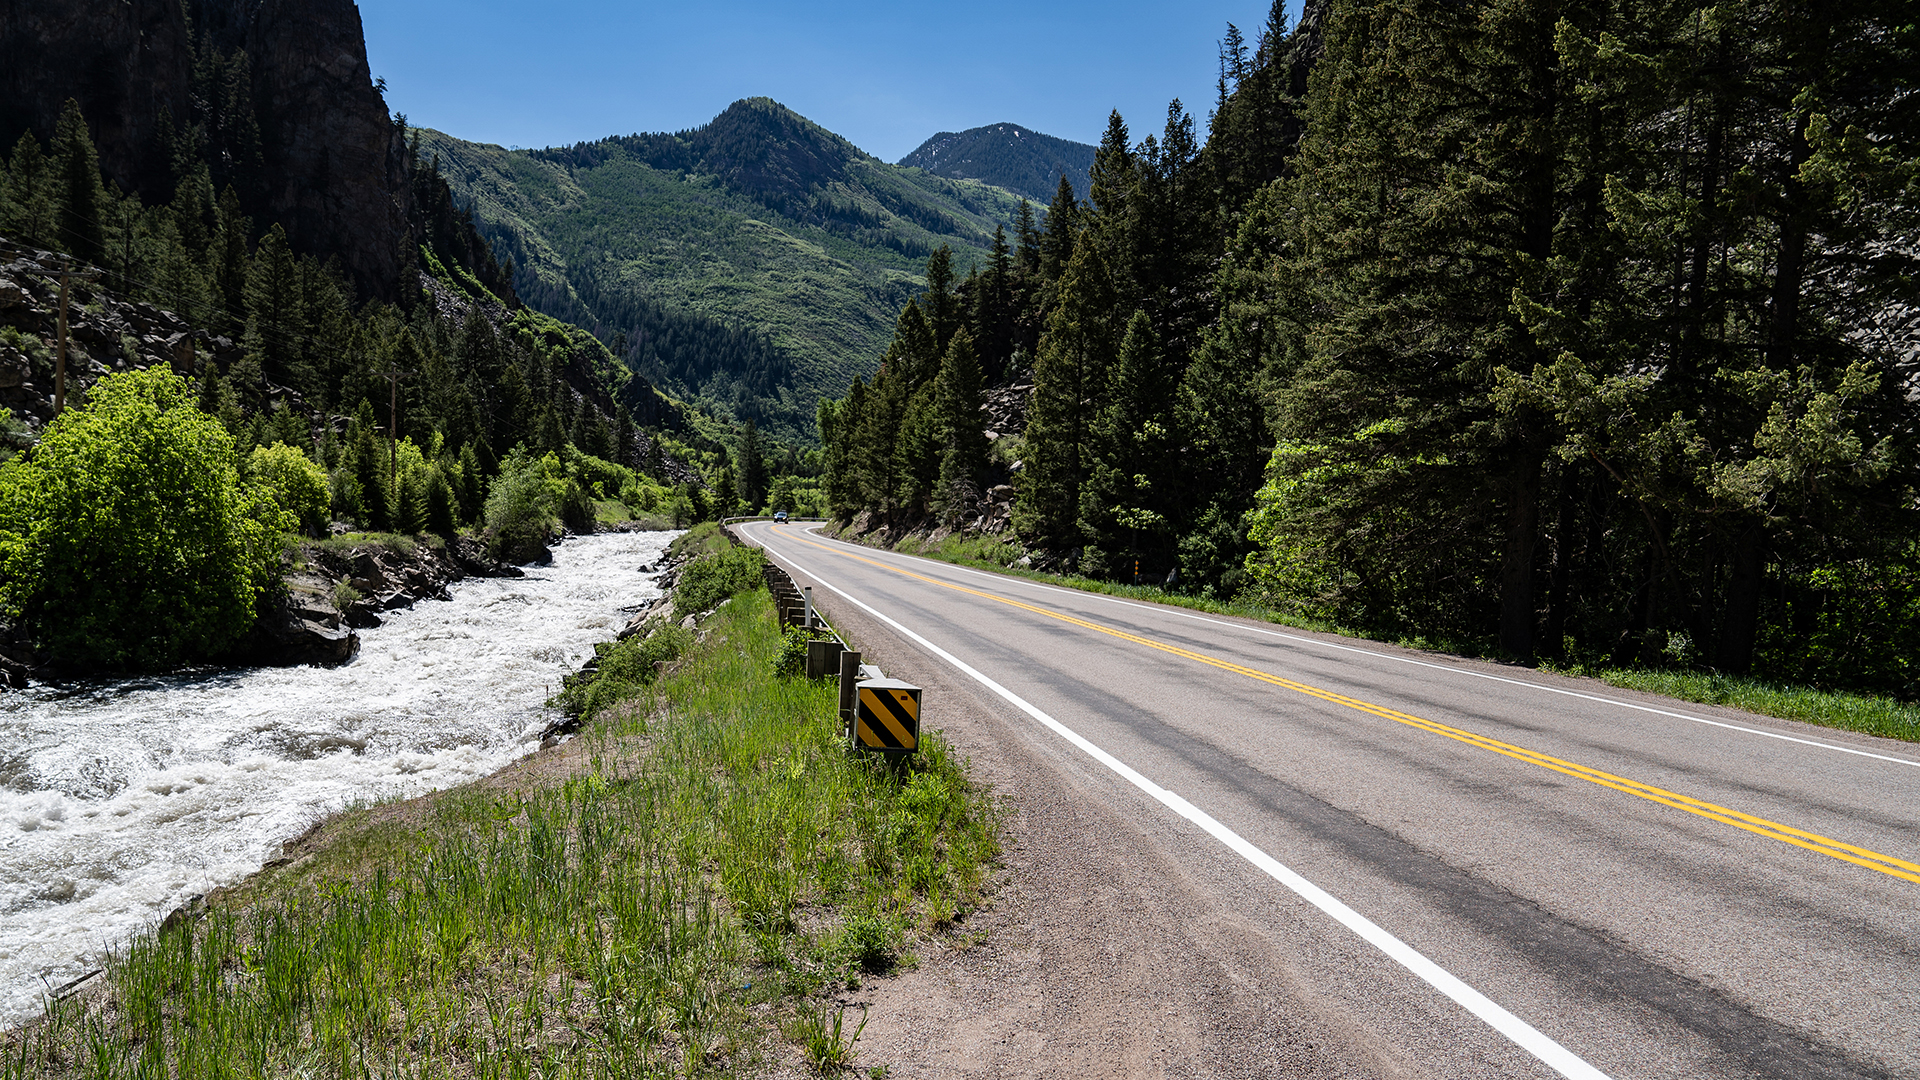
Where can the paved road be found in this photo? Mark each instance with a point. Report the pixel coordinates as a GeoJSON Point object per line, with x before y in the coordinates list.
{"type": "Point", "coordinates": [1481, 870]}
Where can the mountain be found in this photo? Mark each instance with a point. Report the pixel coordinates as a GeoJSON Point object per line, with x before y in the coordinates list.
{"type": "Point", "coordinates": [276, 95]}
{"type": "Point", "coordinates": [754, 264]}
{"type": "Point", "coordinates": [1008, 156]}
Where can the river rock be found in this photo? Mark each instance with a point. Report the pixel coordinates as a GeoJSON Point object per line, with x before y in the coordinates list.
{"type": "Point", "coordinates": [284, 639]}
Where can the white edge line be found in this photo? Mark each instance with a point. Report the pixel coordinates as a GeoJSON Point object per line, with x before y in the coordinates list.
{"type": "Point", "coordinates": [1521, 1033]}
{"type": "Point", "coordinates": [1181, 613]}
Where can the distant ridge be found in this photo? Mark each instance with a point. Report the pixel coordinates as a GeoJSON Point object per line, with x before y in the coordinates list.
{"type": "Point", "coordinates": [1008, 156]}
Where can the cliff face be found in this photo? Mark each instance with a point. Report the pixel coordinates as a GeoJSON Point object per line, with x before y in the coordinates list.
{"type": "Point", "coordinates": [332, 167]}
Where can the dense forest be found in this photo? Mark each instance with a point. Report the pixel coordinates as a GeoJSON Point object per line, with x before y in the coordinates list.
{"type": "Point", "coordinates": [1578, 331]}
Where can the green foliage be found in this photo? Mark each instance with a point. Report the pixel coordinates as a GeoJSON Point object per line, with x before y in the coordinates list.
{"type": "Point", "coordinates": [128, 539]}
{"type": "Point", "coordinates": [626, 667]}
{"type": "Point", "coordinates": [529, 501]}
{"type": "Point", "coordinates": [715, 576]}
{"type": "Point", "coordinates": [298, 485]}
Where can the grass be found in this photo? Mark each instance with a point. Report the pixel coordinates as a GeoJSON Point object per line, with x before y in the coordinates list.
{"type": "Point", "coordinates": [703, 539]}
{"type": "Point", "coordinates": [1867, 715]}
{"type": "Point", "coordinates": [1861, 713]}
{"type": "Point", "coordinates": [343, 544]}
{"type": "Point", "coordinates": [682, 903]}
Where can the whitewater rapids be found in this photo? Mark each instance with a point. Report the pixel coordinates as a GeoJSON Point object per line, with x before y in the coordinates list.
{"type": "Point", "coordinates": [121, 800]}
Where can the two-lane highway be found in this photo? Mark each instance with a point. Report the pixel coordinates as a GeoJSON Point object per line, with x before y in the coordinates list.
{"type": "Point", "coordinates": [1484, 871]}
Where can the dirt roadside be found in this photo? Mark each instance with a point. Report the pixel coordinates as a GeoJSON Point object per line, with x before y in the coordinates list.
{"type": "Point", "coordinates": [1099, 957]}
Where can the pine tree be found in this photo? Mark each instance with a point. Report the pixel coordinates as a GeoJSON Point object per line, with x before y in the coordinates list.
{"type": "Point", "coordinates": [80, 200]}
{"type": "Point", "coordinates": [1127, 507]}
{"type": "Point", "coordinates": [227, 261]}
{"type": "Point", "coordinates": [963, 429]}
{"type": "Point", "coordinates": [276, 323]}
{"type": "Point", "coordinates": [993, 310]}
{"type": "Point", "coordinates": [29, 205]}
{"type": "Point", "coordinates": [942, 306]}
{"type": "Point", "coordinates": [751, 469]}
{"type": "Point", "coordinates": [1069, 384]}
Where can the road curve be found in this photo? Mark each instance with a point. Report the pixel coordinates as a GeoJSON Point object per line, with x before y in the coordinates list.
{"type": "Point", "coordinates": [1481, 870]}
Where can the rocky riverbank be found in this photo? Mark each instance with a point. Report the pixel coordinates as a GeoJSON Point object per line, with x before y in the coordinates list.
{"type": "Point", "coordinates": [335, 587]}
{"type": "Point", "coordinates": [329, 589]}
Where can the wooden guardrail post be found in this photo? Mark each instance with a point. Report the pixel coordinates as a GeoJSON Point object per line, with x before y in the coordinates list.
{"type": "Point", "coordinates": [849, 682]}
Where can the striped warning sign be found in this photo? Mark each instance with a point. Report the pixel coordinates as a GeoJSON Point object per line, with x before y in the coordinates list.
{"type": "Point", "coordinates": [887, 715]}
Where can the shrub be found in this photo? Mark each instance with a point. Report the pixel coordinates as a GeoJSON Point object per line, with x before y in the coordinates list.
{"type": "Point", "coordinates": [711, 578]}
{"type": "Point", "coordinates": [527, 504]}
{"type": "Point", "coordinates": [128, 539]}
{"type": "Point", "coordinates": [625, 667]}
{"type": "Point", "coordinates": [297, 484]}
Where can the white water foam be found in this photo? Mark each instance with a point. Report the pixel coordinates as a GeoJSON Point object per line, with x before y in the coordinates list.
{"type": "Point", "coordinates": [120, 800]}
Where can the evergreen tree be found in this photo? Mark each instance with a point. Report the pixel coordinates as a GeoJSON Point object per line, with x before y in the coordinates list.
{"type": "Point", "coordinates": [276, 326]}
{"type": "Point", "coordinates": [1069, 384]}
{"type": "Point", "coordinates": [943, 309]}
{"type": "Point", "coordinates": [28, 203]}
{"type": "Point", "coordinates": [963, 460]}
{"type": "Point", "coordinates": [227, 261]}
{"type": "Point", "coordinates": [1127, 509]}
{"type": "Point", "coordinates": [751, 469]}
{"type": "Point", "coordinates": [80, 199]}
{"type": "Point", "coordinates": [993, 310]}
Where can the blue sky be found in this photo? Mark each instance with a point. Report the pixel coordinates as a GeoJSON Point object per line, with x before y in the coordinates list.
{"type": "Point", "coordinates": [886, 76]}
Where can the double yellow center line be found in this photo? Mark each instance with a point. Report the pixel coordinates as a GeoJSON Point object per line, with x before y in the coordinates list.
{"type": "Point", "coordinates": [1787, 834]}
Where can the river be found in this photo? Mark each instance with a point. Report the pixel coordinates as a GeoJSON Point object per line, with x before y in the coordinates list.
{"type": "Point", "coordinates": [120, 800]}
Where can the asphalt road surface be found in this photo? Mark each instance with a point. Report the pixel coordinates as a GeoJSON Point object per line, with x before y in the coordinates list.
{"type": "Point", "coordinates": [1256, 851]}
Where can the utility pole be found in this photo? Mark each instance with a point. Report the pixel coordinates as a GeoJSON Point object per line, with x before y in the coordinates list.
{"type": "Point", "coordinates": [393, 423]}
{"type": "Point", "coordinates": [60, 351]}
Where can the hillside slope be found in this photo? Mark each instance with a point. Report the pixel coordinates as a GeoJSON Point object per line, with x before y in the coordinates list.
{"type": "Point", "coordinates": [1022, 161]}
{"type": "Point", "coordinates": [753, 265]}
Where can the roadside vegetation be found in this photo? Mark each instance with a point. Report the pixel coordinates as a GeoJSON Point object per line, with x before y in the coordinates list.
{"type": "Point", "coordinates": [684, 900]}
{"type": "Point", "coordinates": [1868, 714]}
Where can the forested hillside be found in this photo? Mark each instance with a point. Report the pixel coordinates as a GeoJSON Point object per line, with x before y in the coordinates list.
{"type": "Point", "coordinates": [1024, 162]}
{"type": "Point", "coordinates": [219, 387]}
{"type": "Point", "coordinates": [1582, 331]}
{"type": "Point", "coordinates": [753, 264]}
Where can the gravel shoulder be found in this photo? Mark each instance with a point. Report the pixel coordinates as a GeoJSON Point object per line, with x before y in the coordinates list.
{"type": "Point", "coordinates": [1099, 957]}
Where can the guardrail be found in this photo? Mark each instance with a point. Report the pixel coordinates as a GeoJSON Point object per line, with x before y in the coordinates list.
{"type": "Point", "coordinates": [877, 714]}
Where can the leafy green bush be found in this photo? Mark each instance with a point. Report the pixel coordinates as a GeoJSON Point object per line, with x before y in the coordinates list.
{"type": "Point", "coordinates": [711, 578]}
{"type": "Point", "coordinates": [625, 668]}
{"type": "Point", "coordinates": [529, 501]}
{"type": "Point", "coordinates": [297, 484]}
{"type": "Point", "coordinates": [128, 539]}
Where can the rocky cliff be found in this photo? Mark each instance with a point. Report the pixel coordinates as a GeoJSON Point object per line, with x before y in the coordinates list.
{"type": "Point", "coordinates": [277, 94]}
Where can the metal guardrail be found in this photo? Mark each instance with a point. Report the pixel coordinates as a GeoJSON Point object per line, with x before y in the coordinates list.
{"type": "Point", "coordinates": [876, 713]}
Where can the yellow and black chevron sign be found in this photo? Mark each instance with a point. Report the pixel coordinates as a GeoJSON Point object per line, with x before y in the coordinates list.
{"type": "Point", "coordinates": [887, 715]}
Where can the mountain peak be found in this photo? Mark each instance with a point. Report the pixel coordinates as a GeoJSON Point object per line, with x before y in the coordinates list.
{"type": "Point", "coordinates": [1009, 156]}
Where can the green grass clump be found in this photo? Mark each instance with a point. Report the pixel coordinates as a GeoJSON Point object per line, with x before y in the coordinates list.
{"type": "Point", "coordinates": [611, 512]}
{"type": "Point", "coordinates": [705, 538]}
{"type": "Point", "coordinates": [1849, 712]}
{"type": "Point", "coordinates": [626, 667]}
{"type": "Point", "coordinates": [344, 544]}
{"type": "Point", "coordinates": [676, 905]}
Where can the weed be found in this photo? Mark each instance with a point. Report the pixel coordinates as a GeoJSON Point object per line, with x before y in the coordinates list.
{"type": "Point", "coordinates": [829, 1047]}
{"type": "Point", "coordinates": [344, 596]}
